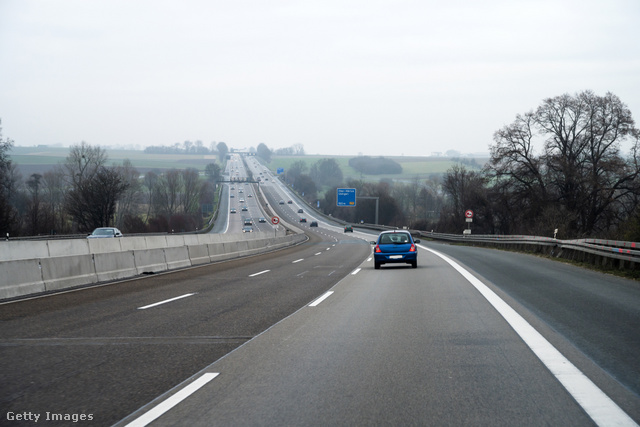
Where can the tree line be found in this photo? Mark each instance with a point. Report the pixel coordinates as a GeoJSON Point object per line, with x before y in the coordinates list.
{"type": "Point", "coordinates": [84, 192]}
{"type": "Point", "coordinates": [560, 166]}
{"type": "Point", "coordinates": [188, 147]}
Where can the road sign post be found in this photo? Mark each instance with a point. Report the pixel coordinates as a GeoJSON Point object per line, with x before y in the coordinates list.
{"type": "Point", "coordinates": [468, 214]}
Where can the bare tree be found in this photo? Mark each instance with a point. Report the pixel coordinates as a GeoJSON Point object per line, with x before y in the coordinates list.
{"type": "Point", "coordinates": [151, 184]}
{"type": "Point", "coordinates": [93, 203]}
{"type": "Point", "coordinates": [54, 189]}
{"type": "Point", "coordinates": [130, 199]}
{"type": "Point", "coordinates": [580, 178]}
{"type": "Point", "coordinates": [168, 191]}
{"type": "Point", "coordinates": [465, 189]}
{"type": "Point", "coordinates": [83, 162]}
{"type": "Point", "coordinates": [408, 195]}
{"type": "Point", "coordinates": [8, 213]}
{"type": "Point", "coordinates": [33, 188]}
{"type": "Point", "coordinates": [213, 172]}
{"type": "Point", "coordinates": [326, 172]}
{"type": "Point", "coordinates": [223, 150]}
{"type": "Point", "coordinates": [192, 189]}
{"type": "Point", "coordinates": [264, 152]}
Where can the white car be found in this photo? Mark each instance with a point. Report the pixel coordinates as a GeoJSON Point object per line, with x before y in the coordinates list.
{"type": "Point", "coordinates": [104, 233]}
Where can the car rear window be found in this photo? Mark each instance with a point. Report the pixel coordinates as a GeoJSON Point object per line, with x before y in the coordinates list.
{"type": "Point", "coordinates": [387, 239]}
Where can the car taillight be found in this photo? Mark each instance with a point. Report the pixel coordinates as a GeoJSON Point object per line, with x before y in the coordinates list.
{"type": "Point", "coordinates": [377, 250]}
{"type": "Point", "coordinates": [413, 248]}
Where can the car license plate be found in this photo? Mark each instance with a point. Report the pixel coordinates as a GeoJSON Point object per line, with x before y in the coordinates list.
{"type": "Point", "coordinates": [395, 257]}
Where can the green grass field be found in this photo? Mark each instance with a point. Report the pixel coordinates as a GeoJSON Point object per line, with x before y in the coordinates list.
{"type": "Point", "coordinates": [412, 167]}
{"type": "Point", "coordinates": [40, 159]}
{"type": "Point", "coordinates": [49, 156]}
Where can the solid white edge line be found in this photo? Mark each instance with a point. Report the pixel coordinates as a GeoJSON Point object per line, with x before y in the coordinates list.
{"type": "Point", "coordinates": [158, 410]}
{"type": "Point", "coordinates": [356, 271]}
{"type": "Point", "coordinates": [165, 301]}
{"type": "Point", "coordinates": [602, 410]}
{"type": "Point", "coordinates": [322, 298]}
{"type": "Point", "coordinates": [259, 273]}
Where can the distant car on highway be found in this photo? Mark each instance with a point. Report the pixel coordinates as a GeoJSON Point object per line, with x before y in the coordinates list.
{"type": "Point", "coordinates": [244, 209]}
{"type": "Point", "coordinates": [395, 247]}
{"type": "Point", "coordinates": [290, 202]}
{"type": "Point", "coordinates": [262, 219]}
{"type": "Point", "coordinates": [348, 229]}
{"type": "Point", "coordinates": [104, 233]}
{"type": "Point", "coordinates": [247, 229]}
{"type": "Point", "coordinates": [313, 224]}
{"type": "Point", "coordinates": [281, 202]}
{"type": "Point", "coordinates": [233, 210]}
{"type": "Point", "coordinates": [303, 219]}
{"type": "Point", "coordinates": [300, 211]}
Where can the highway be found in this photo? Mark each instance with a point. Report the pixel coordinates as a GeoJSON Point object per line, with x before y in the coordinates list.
{"type": "Point", "coordinates": [313, 335]}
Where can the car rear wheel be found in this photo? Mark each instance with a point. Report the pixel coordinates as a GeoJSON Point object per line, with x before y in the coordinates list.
{"type": "Point", "coordinates": [376, 265]}
{"type": "Point", "coordinates": [414, 264]}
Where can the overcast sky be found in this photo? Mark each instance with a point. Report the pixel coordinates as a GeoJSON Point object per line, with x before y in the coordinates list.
{"type": "Point", "coordinates": [340, 77]}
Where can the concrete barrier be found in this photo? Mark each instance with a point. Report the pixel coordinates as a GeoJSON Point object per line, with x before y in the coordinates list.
{"type": "Point", "coordinates": [12, 251]}
{"type": "Point", "coordinates": [20, 277]}
{"type": "Point", "coordinates": [67, 271]}
{"type": "Point", "coordinates": [98, 246]}
{"type": "Point", "coordinates": [114, 265]}
{"type": "Point", "coordinates": [175, 241]}
{"type": "Point", "coordinates": [66, 247]}
{"type": "Point", "coordinates": [199, 254]}
{"type": "Point", "coordinates": [155, 242]}
{"type": "Point", "coordinates": [177, 257]}
{"type": "Point", "coordinates": [87, 261]}
{"type": "Point", "coordinates": [150, 261]}
{"type": "Point", "coordinates": [133, 244]}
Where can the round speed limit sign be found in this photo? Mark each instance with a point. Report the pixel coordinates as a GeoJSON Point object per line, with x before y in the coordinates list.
{"type": "Point", "coordinates": [469, 213]}
{"type": "Point", "coordinates": [275, 220]}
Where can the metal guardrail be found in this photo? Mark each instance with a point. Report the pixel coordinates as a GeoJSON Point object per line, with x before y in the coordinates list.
{"type": "Point", "coordinates": [594, 250]}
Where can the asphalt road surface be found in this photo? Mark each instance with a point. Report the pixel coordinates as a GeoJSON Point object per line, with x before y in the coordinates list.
{"type": "Point", "coordinates": [106, 351]}
{"type": "Point", "coordinates": [401, 346]}
{"type": "Point", "coordinates": [313, 335]}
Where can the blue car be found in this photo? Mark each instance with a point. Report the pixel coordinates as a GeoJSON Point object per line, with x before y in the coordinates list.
{"type": "Point", "coordinates": [395, 247]}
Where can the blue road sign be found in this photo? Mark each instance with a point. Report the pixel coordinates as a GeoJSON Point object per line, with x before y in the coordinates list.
{"type": "Point", "coordinates": [280, 171]}
{"type": "Point", "coordinates": [346, 197]}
